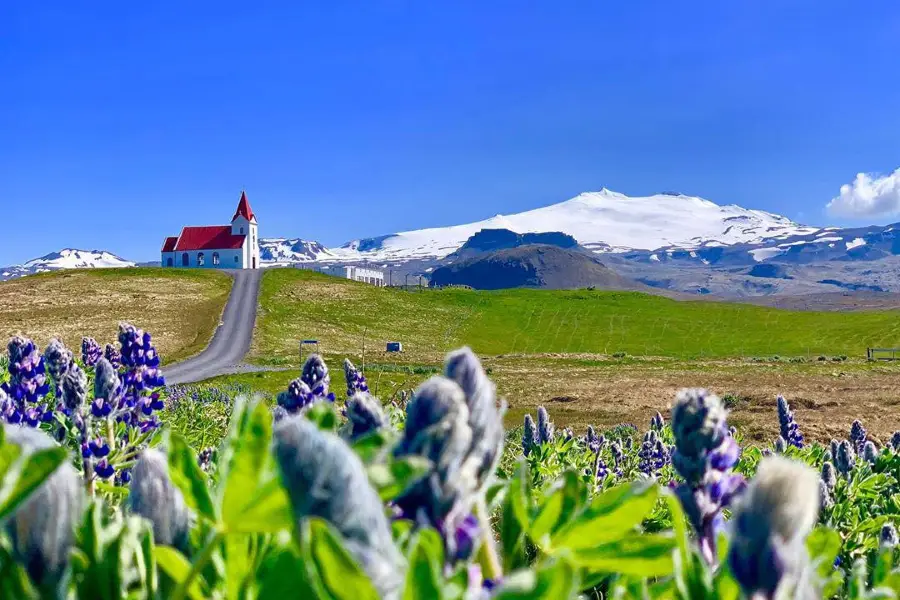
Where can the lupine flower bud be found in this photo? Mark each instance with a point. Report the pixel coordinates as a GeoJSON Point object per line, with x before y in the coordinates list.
{"type": "Point", "coordinates": [42, 529]}
{"type": "Point", "coordinates": [780, 445]}
{"type": "Point", "coordinates": [529, 436]}
{"type": "Point", "coordinates": [325, 478]}
{"type": "Point", "coordinates": [825, 500]}
{"type": "Point", "coordinates": [895, 440]}
{"type": "Point", "coordinates": [297, 397]}
{"type": "Point", "coordinates": [545, 427]}
{"type": "Point", "coordinates": [106, 381]}
{"type": "Point", "coordinates": [790, 431]}
{"type": "Point", "coordinates": [74, 388]}
{"type": "Point", "coordinates": [365, 414]}
{"type": "Point", "coordinates": [279, 413]}
{"type": "Point", "coordinates": [315, 375]}
{"type": "Point", "coordinates": [828, 456]}
{"type": "Point", "coordinates": [567, 434]}
{"type": "Point", "coordinates": [768, 553]}
{"type": "Point", "coordinates": [845, 458]}
{"type": "Point", "coordinates": [870, 452]}
{"type": "Point", "coordinates": [57, 358]}
{"type": "Point", "coordinates": [112, 356]}
{"type": "Point", "coordinates": [153, 496]}
{"type": "Point", "coordinates": [833, 447]}
{"type": "Point", "coordinates": [27, 380]}
{"type": "Point", "coordinates": [657, 422]}
{"type": "Point", "coordinates": [858, 436]}
{"type": "Point", "coordinates": [888, 536]}
{"type": "Point", "coordinates": [698, 421]}
{"type": "Point", "coordinates": [829, 475]}
{"type": "Point", "coordinates": [90, 351]}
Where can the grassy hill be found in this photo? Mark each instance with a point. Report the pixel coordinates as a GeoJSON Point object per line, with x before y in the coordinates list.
{"type": "Point", "coordinates": [180, 308]}
{"type": "Point", "coordinates": [345, 315]}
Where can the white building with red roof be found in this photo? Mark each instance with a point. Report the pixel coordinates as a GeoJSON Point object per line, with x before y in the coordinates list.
{"type": "Point", "coordinates": [234, 246]}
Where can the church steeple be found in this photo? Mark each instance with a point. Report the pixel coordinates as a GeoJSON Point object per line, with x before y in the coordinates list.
{"type": "Point", "coordinates": [243, 208]}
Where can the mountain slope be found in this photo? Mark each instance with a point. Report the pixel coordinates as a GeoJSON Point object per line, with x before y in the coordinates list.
{"type": "Point", "coordinates": [532, 265]}
{"type": "Point", "coordinates": [68, 258]}
{"type": "Point", "coordinates": [603, 221]}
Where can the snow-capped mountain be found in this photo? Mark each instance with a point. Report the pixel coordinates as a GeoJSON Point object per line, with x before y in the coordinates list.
{"type": "Point", "coordinates": [69, 258]}
{"type": "Point", "coordinates": [603, 221]}
{"type": "Point", "coordinates": [273, 251]}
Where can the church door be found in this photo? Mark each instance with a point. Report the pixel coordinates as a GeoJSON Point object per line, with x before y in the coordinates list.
{"type": "Point", "coordinates": [254, 262]}
{"type": "Point", "coordinates": [169, 262]}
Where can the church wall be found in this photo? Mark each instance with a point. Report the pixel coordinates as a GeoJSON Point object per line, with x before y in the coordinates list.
{"type": "Point", "coordinates": [226, 259]}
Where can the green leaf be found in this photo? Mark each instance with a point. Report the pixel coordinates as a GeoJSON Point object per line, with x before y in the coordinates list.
{"type": "Point", "coordinates": [334, 569]}
{"type": "Point", "coordinates": [396, 476]}
{"type": "Point", "coordinates": [250, 462]}
{"type": "Point", "coordinates": [369, 446]}
{"type": "Point", "coordinates": [26, 474]}
{"type": "Point", "coordinates": [283, 575]}
{"type": "Point", "coordinates": [610, 515]}
{"type": "Point", "coordinates": [426, 559]}
{"type": "Point", "coordinates": [823, 545]}
{"type": "Point", "coordinates": [645, 555]}
{"type": "Point", "coordinates": [323, 415]}
{"type": "Point", "coordinates": [557, 579]}
{"type": "Point", "coordinates": [514, 519]}
{"type": "Point", "coordinates": [267, 511]}
{"type": "Point", "coordinates": [189, 478]}
{"type": "Point", "coordinates": [177, 567]}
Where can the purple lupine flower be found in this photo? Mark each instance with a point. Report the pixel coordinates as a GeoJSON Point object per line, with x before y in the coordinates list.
{"type": "Point", "coordinates": [98, 447]}
{"type": "Point", "coordinates": [315, 375]}
{"type": "Point", "coordinates": [297, 397]}
{"type": "Point", "coordinates": [895, 441]}
{"type": "Point", "coordinates": [90, 352]}
{"type": "Point", "coordinates": [888, 537]}
{"type": "Point", "coordinates": [465, 534]}
{"type": "Point", "coordinates": [103, 469]}
{"type": "Point", "coordinates": [74, 388]}
{"type": "Point", "coordinates": [652, 455]}
{"type": "Point", "coordinates": [204, 458]}
{"type": "Point", "coordinates": [657, 422]}
{"type": "Point", "coordinates": [28, 381]}
{"type": "Point", "coordinates": [870, 452]}
{"type": "Point", "coordinates": [365, 415]}
{"type": "Point", "coordinates": [356, 381]}
{"type": "Point", "coordinates": [704, 456]}
{"type": "Point", "coordinates": [825, 499]}
{"type": "Point", "coordinates": [829, 475]}
{"type": "Point", "coordinates": [833, 448]}
{"type": "Point", "coordinates": [790, 431]}
{"type": "Point", "coordinates": [858, 436]}
{"type": "Point", "coordinates": [780, 445]}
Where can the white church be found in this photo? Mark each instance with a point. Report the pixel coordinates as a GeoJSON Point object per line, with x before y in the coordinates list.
{"type": "Point", "coordinates": [234, 246]}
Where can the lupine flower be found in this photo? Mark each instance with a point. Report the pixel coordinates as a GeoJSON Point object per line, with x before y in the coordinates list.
{"type": "Point", "coordinates": [356, 381]}
{"type": "Point", "coordinates": [895, 440]}
{"type": "Point", "coordinates": [567, 434]}
{"type": "Point", "coordinates": [204, 458]}
{"type": "Point", "coordinates": [42, 529]}
{"type": "Point", "coordinates": [790, 431]}
{"type": "Point", "coordinates": [107, 385]}
{"type": "Point", "coordinates": [57, 358]}
{"type": "Point", "coordinates": [704, 456]}
{"type": "Point", "coordinates": [888, 537]}
{"type": "Point", "coordinates": [825, 500]}
{"type": "Point", "coordinates": [153, 496]}
{"type": "Point", "coordinates": [103, 469]}
{"type": "Point", "coordinates": [74, 388]}
{"type": "Point", "coordinates": [833, 447]}
{"type": "Point", "coordinates": [601, 472]}
{"type": "Point", "coordinates": [454, 422]}
{"type": "Point", "coordinates": [629, 443]}
{"type": "Point", "coordinates": [845, 458]}
{"type": "Point", "coordinates": [112, 356]}
{"type": "Point", "coordinates": [90, 351]}
{"type": "Point", "coordinates": [326, 479]}
{"type": "Point", "coordinates": [98, 447]}
{"type": "Point", "coordinates": [529, 436]}
{"type": "Point", "coordinates": [279, 413]}
{"type": "Point", "coordinates": [297, 397]}
{"type": "Point", "coordinates": [364, 414]}
{"type": "Point", "coordinates": [858, 436]}
{"type": "Point", "coordinates": [652, 454]}
{"type": "Point", "coordinates": [545, 427]}
{"type": "Point", "coordinates": [870, 452]}
{"type": "Point", "coordinates": [657, 422]}
{"type": "Point", "coordinates": [780, 445]}
{"type": "Point", "coordinates": [315, 375]}
{"type": "Point", "coordinates": [768, 555]}
{"type": "Point", "coordinates": [28, 382]}
{"type": "Point", "coordinates": [829, 475]}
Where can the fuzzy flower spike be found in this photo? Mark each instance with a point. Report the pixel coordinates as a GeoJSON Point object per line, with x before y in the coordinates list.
{"type": "Point", "coordinates": [790, 431]}
{"type": "Point", "coordinates": [768, 554]}
{"type": "Point", "coordinates": [704, 455]}
{"type": "Point", "coordinates": [153, 496]}
{"type": "Point", "coordinates": [325, 478]}
{"type": "Point", "coordinates": [454, 422]}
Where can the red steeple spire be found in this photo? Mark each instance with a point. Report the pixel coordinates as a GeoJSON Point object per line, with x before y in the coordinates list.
{"type": "Point", "coordinates": [243, 208]}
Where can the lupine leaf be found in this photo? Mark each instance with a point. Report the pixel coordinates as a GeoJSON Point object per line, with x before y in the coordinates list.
{"type": "Point", "coordinates": [177, 567]}
{"type": "Point", "coordinates": [189, 478]}
{"type": "Point", "coordinates": [335, 572]}
{"type": "Point", "coordinates": [426, 559]}
{"type": "Point", "coordinates": [557, 579]}
{"type": "Point", "coordinates": [645, 555]}
{"type": "Point", "coordinates": [27, 474]}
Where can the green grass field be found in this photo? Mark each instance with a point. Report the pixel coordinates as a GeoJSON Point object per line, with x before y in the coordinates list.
{"type": "Point", "coordinates": [346, 316]}
{"type": "Point", "coordinates": [180, 308]}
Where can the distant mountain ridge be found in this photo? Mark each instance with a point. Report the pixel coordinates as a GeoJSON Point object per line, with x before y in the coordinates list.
{"type": "Point", "coordinates": [68, 258]}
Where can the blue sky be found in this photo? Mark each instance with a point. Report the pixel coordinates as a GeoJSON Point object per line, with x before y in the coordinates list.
{"type": "Point", "coordinates": [125, 120]}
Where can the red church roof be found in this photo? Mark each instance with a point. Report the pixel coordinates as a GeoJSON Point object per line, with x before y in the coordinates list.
{"type": "Point", "coordinates": [214, 237]}
{"type": "Point", "coordinates": [243, 209]}
{"type": "Point", "coordinates": [169, 245]}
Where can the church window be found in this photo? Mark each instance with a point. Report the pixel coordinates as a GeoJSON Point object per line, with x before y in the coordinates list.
{"type": "Point", "coordinates": [184, 259]}
{"type": "Point", "coordinates": [215, 258]}
{"type": "Point", "coordinates": [235, 259]}
{"type": "Point", "coordinates": [201, 259]}
{"type": "Point", "coordinates": [242, 231]}
{"type": "Point", "coordinates": [169, 262]}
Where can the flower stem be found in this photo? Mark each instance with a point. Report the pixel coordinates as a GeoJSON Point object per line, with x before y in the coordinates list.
{"type": "Point", "coordinates": [487, 553]}
{"type": "Point", "coordinates": [198, 565]}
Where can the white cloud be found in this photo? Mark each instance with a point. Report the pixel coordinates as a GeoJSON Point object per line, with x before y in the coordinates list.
{"type": "Point", "coordinates": [868, 196]}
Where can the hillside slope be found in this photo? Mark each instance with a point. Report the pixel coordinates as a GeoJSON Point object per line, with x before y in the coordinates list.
{"type": "Point", "coordinates": [349, 317]}
{"type": "Point", "coordinates": [180, 308]}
